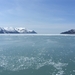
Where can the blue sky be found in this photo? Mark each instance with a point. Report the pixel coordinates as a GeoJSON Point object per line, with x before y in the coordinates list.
{"type": "Point", "coordinates": [43, 16]}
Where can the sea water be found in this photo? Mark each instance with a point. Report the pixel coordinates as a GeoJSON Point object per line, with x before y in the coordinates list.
{"type": "Point", "coordinates": [37, 55]}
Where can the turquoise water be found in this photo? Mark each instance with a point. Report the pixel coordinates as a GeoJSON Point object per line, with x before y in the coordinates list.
{"type": "Point", "coordinates": [37, 55]}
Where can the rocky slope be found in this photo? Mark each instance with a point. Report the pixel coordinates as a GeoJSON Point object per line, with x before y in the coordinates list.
{"type": "Point", "coordinates": [72, 31]}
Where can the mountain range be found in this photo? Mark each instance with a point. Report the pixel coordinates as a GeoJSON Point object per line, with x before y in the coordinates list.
{"type": "Point", "coordinates": [72, 31]}
{"type": "Point", "coordinates": [17, 30]}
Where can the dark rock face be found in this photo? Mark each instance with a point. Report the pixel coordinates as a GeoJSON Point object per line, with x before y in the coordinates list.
{"type": "Point", "coordinates": [72, 31]}
{"type": "Point", "coordinates": [1, 30]}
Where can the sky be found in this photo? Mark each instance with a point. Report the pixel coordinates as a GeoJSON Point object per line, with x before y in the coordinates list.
{"type": "Point", "coordinates": [43, 16]}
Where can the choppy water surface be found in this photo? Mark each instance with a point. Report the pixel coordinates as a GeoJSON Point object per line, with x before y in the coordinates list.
{"type": "Point", "coordinates": [37, 55]}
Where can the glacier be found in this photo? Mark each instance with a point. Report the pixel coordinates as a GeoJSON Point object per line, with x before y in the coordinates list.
{"type": "Point", "coordinates": [17, 30]}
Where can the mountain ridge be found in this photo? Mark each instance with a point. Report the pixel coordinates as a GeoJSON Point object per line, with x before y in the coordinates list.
{"type": "Point", "coordinates": [16, 30]}
{"type": "Point", "coordinates": [72, 31]}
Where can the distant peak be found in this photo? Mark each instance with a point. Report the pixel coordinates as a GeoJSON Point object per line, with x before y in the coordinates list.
{"type": "Point", "coordinates": [72, 31]}
{"type": "Point", "coordinates": [18, 30]}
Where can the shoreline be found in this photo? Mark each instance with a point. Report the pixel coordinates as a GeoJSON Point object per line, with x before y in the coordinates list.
{"type": "Point", "coordinates": [38, 34]}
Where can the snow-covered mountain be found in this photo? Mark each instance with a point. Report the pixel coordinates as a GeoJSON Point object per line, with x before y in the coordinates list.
{"type": "Point", "coordinates": [72, 31]}
{"type": "Point", "coordinates": [17, 30]}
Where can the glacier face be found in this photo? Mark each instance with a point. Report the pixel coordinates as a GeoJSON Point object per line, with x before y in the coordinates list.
{"type": "Point", "coordinates": [17, 30]}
